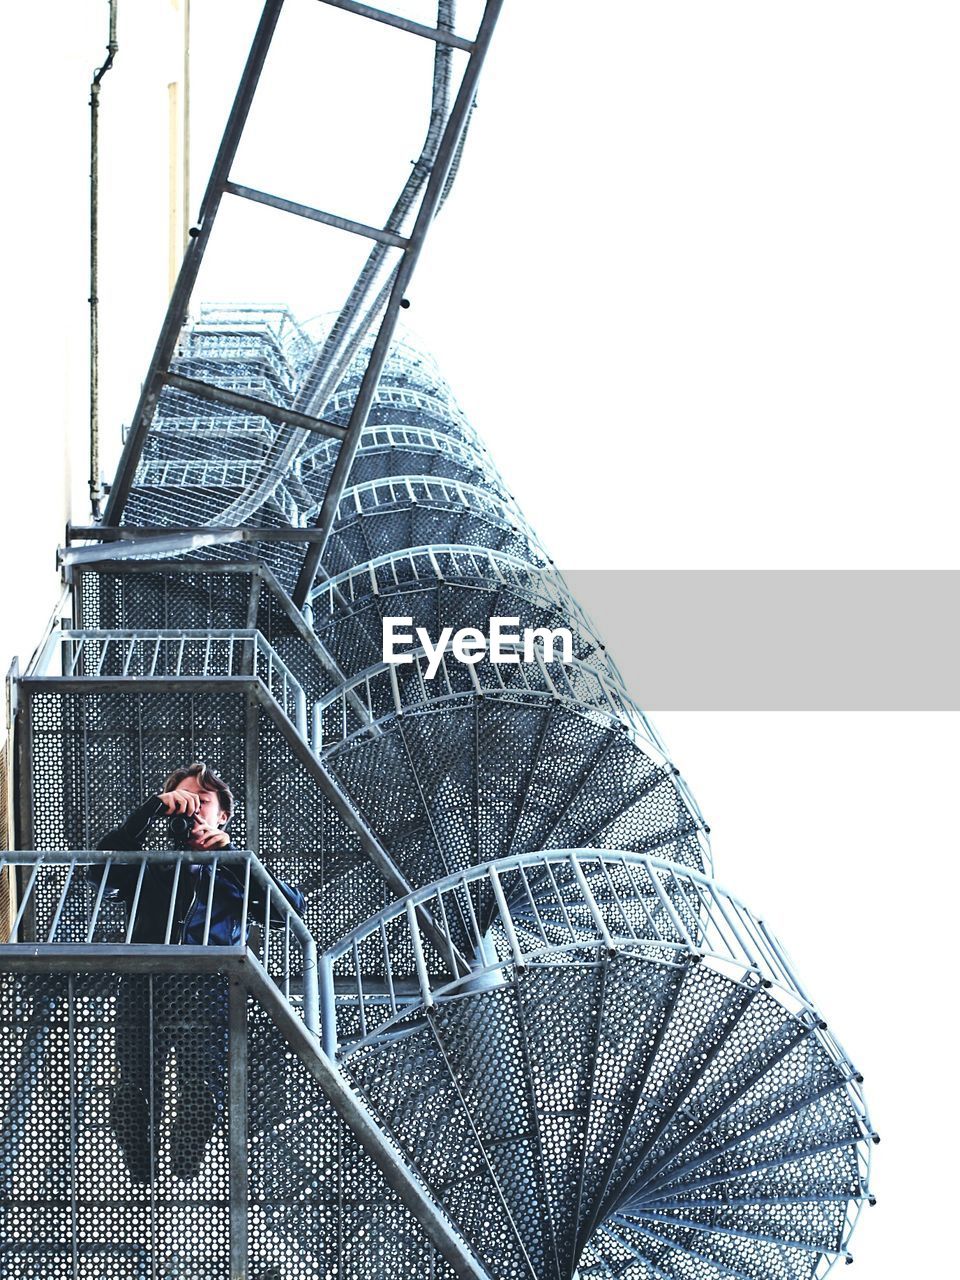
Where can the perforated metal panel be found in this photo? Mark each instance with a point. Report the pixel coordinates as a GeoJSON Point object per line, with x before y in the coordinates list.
{"type": "Point", "coordinates": [318, 1207]}
{"type": "Point", "coordinates": [94, 1065]}
{"type": "Point", "coordinates": [116, 1156]}
{"type": "Point", "coordinates": [650, 1100]}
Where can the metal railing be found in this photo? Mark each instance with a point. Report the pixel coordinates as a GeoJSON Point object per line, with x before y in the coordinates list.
{"type": "Point", "coordinates": [215, 427]}
{"type": "Point", "coordinates": [440, 410]}
{"type": "Point", "coordinates": [169, 654]}
{"type": "Point", "coordinates": [408, 438]}
{"type": "Point", "coordinates": [175, 475]}
{"type": "Point", "coordinates": [393, 492]}
{"type": "Point", "coordinates": [390, 689]}
{"type": "Point", "coordinates": [456, 563]}
{"type": "Point", "coordinates": [232, 345]}
{"type": "Point", "coordinates": [63, 905]}
{"type": "Point", "coordinates": [196, 472]}
{"type": "Point", "coordinates": [526, 908]}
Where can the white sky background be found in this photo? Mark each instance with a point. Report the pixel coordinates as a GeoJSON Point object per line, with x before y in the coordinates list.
{"type": "Point", "coordinates": [696, 286]}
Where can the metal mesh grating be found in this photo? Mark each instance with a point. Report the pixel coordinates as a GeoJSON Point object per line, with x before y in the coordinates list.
{"type": "Point", "coordinates": [318, 1207]}
{"type": "Point", "coordinates": [88, 1061]}
{"type": "Point", "coordinates": [626, 1092]}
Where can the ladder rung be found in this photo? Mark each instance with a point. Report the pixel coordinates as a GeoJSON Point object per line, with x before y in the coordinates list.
{"type": "Point", "coordinates": [404, 24]}
{"type": "Point", "coordinates": [316, 215]}
{"type": "Point", "coordinates": [252, 404]}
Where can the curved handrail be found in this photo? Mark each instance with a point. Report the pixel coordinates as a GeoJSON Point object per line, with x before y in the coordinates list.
{"type": "Point", "coordinates": [387, 690]}
{"type": "Point", "coordinates": [440, 410]}
{"type": "Point", "coordinates": [380, 695]}
{"type": "Point", "coordinates": [456, 563]}
{"type": "Point", "coordinates": [402, 491]}
{"type": "Point", "coordinates": [592, 898]}
{"type": "Point", "coordinates": [385, 437]}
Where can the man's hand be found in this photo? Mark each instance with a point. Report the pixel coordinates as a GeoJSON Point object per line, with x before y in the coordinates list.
{"type": "Point", "coordinates": [180, 801]}
{"type": "Point", "coordinates": [203, 836]}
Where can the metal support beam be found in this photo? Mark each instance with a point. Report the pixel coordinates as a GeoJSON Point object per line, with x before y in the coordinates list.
{"type": "Point", "coordinates": [150, 533]}
{"type": "Point", "coordinates": [433, 196]}
{"type": "Point", "coordinates": [317, 215]}
{"type": "Point", "coordinates": [130, 957]}
{"type": "Point", "coordinates": [237, 1118]}
{"type": "Point", "coordinates": [403, 24]}
{"type": "Point", "coordinates": [253, 602]}
{"type": "Point", "coordinates": [164, 544]}
{"type": "Point", "coordinates": [131, 540]}
{"type": "Point", "coordinates": [183, 290]}
{"type": "Point", "coordinates": [275, 413]}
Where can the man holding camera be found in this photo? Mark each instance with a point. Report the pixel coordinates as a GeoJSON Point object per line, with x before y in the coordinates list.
{"type": "Point", "coordinates": [183, 1012]}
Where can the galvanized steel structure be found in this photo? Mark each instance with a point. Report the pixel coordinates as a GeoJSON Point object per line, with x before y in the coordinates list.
{"type": "Point", "coordinates": [521, 1032]}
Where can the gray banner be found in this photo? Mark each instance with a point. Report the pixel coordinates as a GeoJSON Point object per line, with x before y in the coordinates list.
{"type": "Point", "coordinates": [780, 640]}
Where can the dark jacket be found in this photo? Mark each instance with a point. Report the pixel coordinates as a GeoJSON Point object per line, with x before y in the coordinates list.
{"type": "Point", "coordinates": [193, 890]}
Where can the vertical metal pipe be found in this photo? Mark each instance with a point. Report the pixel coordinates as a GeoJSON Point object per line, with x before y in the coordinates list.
{"type": "Point", "coordinates": [8, 882]}
{"type": "Point", "coordinates": [24, 744]}
{"type": "Point", "coordinates": [311, 995]}
{"type": "Point", "coordinates": [328, 1006]}
{"type": "Point", "coordinates": [185, 178]}
{"type": "Point", "coordinates": [237, 1122]}
{"type": "Point", "coordinates": [98, 75]}
{"type": "Point", "coordinates": [72, 1089]}
{"type": "Point", "coordinates": [251, 775]}
{"type": "Point", "coordinates": [153, 1116]}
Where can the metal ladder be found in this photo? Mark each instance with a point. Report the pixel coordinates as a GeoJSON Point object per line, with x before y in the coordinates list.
{"type": "Point", "coordinates": [429, 182]}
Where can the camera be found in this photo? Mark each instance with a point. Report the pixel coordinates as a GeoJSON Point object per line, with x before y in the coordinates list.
{"type": "Point", "coordinates": [180, 827]}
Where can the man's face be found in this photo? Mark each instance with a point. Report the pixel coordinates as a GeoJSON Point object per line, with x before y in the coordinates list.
{"type": "Point", "coordinates": [210, 813]}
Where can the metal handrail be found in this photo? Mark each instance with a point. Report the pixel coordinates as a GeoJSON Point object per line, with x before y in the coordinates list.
{"type": "Point", "coordinates": [450, 562]}
{"type": "Point", "coordinates": [406, 436]}
{"type": "Point", "coordinates": [225, 472]}
{"type": "Point", "coordinates": [556, 903]}
{"type": "Point", "coordinates": [387, 690]}
{"type": "Point", "coordinates": [405, 490]}
{"type": "Point", "coordinates": [442, 411]}
{"type": "Point", "coordinates": [374, 698]}
{"type": "Point", "coordinates": [167, 653]}
{"type": "Point", "coordinates": [46, 871]}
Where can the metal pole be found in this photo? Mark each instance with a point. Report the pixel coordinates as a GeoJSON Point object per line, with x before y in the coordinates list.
{"type": "Point", "coordinates": [237, 1120]}
{"type": "Point", "coordinates": [94, 299]}
{"type": "Point", "coordinates": [24, 824]}
{"type": "Point", "coordinates": [8, 880]}
{"type": "Point", "coordinates": [433, 196]}
{"type": "Point", "coordinates": [183, 290]}
{"type": "Point", "coordinates": [251, 771]}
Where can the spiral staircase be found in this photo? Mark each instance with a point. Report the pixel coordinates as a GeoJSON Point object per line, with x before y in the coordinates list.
{"type": "Point", "coordinates": [524, 1034]}
{"type": "Point", "coordinates": [521, 1033]}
